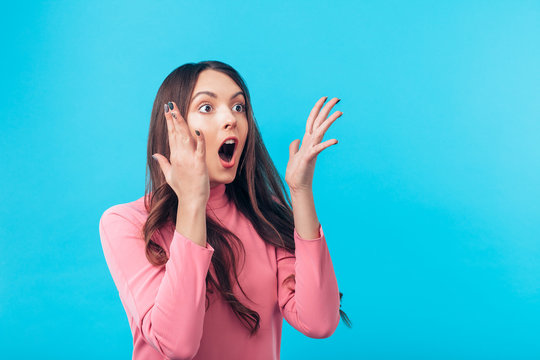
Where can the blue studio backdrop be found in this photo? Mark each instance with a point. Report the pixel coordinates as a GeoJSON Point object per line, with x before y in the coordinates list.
{"type": "Point", "coordinates": [430, 201]}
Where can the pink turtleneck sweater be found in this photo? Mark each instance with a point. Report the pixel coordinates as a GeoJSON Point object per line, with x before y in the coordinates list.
{"type": "Point", "coordinates": [165, 305]}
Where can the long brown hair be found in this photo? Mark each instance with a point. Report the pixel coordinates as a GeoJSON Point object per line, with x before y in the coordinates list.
{"type": "Point", "coordinates": [257, 191]}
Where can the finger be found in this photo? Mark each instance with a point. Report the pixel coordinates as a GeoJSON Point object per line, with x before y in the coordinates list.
{"type": "Point", "coordinates": [179, 123]}
{"type": "Point", "coordinates": [163, 163]}
{"type": "Point", "coordinates": [170, 125]}
{"type": "Point", "coordinates": [201, 144]}
{"type": "Point", "coordinates": [182, 130]}
{"type": "Point", "coordinates": [320, 147]}
{"type": "Point", "coordinates": [324, 112]}
{"type": "Point", "coordinates": [313, 114]}
{"type": "Point", "coordinates": [293, 147]}
{"type": "Point", "coordinates": [321, 130]}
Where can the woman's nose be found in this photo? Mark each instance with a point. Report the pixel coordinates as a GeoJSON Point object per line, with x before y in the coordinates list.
{"type": "Point", "coordinates": [229, 121]}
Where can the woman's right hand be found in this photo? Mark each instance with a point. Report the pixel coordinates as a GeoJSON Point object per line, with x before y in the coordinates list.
{"type": "Point", "coordinates": [187, 173]}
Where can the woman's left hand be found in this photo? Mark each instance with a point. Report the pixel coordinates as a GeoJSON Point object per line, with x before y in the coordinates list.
{"type": "Point", "coordinates": [301, 165]}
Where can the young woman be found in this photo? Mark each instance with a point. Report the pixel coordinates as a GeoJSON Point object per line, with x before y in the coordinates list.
{"type": "Point", "coordinates": [215, 254]}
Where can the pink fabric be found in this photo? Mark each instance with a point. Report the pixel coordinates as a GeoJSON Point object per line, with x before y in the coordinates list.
{"type": "Point", "coordinates": [165, 305]}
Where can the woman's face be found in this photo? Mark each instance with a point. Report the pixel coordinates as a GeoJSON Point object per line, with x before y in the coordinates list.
{"type": "Point", "coordinates": [218, 110]}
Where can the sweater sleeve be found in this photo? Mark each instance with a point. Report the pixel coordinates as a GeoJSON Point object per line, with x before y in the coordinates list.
{"type": "Point", "coordinates": [310, 304]}
{"type": "Point", "coordinates": [167, 303]}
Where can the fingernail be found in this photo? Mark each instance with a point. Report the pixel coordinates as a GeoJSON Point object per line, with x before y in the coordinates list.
{"type": "Point", "coordinates": [165, 108]}
{"type": "Point", "coordinates": [197, 132]}
{"type": "Point", "coordinates": [338, 101]}
{"type": "Point", "coordinates": [171, 106]}
{"type": "Point", "coordinates": [155, 158]}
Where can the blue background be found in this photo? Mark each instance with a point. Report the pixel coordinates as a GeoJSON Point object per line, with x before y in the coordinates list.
{"type": "Point", "coordinates": [430, 201]}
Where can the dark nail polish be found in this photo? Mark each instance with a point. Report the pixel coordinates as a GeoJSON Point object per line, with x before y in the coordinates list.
{"type": "Point", "coordinates": [171, 106]}
{"type": "Point", "coordinates": [197, 132]}
{"type": "Point", "coordinates": [338, 101]}
{"type": "Point", "coordinates": [166, 108]}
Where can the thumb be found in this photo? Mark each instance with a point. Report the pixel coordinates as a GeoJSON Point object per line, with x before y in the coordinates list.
{"type": "Point", "coordinates": [201, 144]}
{"type": "Point", "coordinates": [163, 162]}
{"type": "Point", "coordinates": [293, 147]}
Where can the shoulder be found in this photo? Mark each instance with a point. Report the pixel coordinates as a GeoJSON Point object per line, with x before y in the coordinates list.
{"type": "Point", "coordinates": [121, 229]}
{"type": "Point", "coordinates": [133, 212]}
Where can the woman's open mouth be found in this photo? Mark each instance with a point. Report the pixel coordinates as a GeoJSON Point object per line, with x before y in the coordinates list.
{"type": "Point", "coordinates": [226, 152]}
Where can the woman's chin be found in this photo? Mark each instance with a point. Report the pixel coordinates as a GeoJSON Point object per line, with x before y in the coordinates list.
{"type": "Point", "coordinates": [223, 179]}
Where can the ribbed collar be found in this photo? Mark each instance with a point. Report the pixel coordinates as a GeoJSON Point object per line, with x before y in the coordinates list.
{"type": "Point", "coordinates": [218, 198]}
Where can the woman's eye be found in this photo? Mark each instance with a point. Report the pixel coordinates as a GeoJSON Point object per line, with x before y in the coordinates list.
{"type": "Point", "coordinates": [242, 107]}
{"type": "Point", "coordinates": [205, 106]}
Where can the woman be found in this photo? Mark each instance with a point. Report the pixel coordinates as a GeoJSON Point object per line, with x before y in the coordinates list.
{"type": "Point", "coordinates": [212, 257]}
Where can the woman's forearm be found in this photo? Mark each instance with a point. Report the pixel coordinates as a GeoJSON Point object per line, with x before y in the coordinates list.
{"type": "Point", "coordinates": [191, 222]}
{"type": "Point", "coordinates": [306, 222]}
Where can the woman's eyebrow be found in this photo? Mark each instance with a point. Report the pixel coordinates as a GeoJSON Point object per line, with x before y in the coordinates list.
{"type": "Point", "coordinates": [209, 93]}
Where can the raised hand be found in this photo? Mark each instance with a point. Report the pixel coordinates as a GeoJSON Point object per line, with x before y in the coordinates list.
{"type": "Point", "coordinates": [301, 165]}
{"type": "Point", "coordinates": [187, 173]}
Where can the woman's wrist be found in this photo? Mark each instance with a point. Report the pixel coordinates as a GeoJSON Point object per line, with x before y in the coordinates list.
{"type": "Point", "coordinates": [191, 222]}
